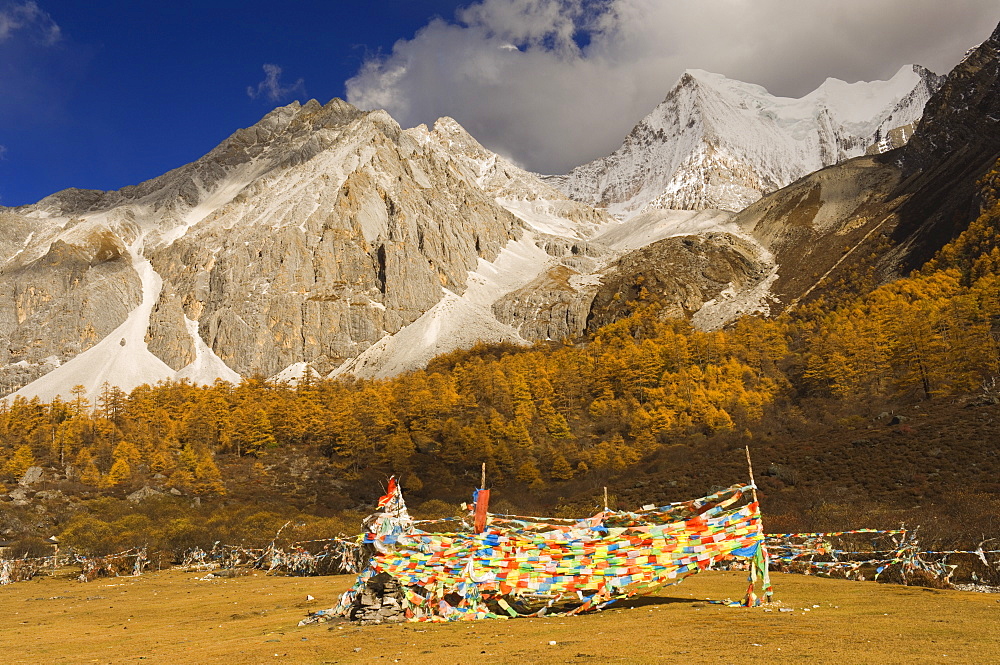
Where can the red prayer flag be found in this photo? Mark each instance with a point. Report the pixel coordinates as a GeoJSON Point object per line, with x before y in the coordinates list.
{"type": "Point", "coordinates": [388, 494]}
{"type": "Point", "coordinates": [482, 505]}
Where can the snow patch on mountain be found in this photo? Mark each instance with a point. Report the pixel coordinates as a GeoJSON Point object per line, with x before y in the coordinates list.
{"type": "Point", "coordinates": [291, 374]}
{"type": "Point", "coordinates": [207, 367]}
{"type": "Point", "coordinates": [121, 359]}
{"type": "Point", "coordinates": [453, 323]}
{"type": "Point", "coordinates": [456, 322]}
{"type": "Point", "coordinates": [210, 201]}
{"type": "Point", "coordinates": [648, 227]}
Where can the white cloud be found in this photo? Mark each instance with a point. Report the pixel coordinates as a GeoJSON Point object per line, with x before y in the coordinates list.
{"type": "Point", "coordinates": [555, 83]}
{"type": "Point", "coordinates": [271, 86]}
{"type": "Point", "coordinates": [29, 19]}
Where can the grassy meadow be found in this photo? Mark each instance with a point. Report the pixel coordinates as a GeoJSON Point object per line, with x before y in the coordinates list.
{"type": "Point", "coordinates": [175, 617]}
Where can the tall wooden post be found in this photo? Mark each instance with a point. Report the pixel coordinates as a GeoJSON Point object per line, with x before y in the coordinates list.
{"type": "Point", "coordinates": [752, 482]}
{"type": "Point", "coordinates": [765, 574]}
{"type": "Point", "coordinates": [482, 504]}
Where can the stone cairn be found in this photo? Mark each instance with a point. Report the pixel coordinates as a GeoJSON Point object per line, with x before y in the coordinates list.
{"type": "Point", "coordinates": [380, 602]}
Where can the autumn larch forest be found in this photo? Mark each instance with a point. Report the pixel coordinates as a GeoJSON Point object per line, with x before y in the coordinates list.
{"type": "Point", "coordinates": [860, 411]}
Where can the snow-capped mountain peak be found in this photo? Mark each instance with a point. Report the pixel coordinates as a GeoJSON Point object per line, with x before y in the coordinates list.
{"type": "Point", "coordinates": [715, 142]}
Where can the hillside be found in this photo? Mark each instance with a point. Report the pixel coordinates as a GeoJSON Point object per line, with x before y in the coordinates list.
{"type": "Point", "coordinates": [646, 397]}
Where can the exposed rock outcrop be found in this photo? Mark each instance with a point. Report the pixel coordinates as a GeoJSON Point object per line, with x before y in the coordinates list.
{"type": "Point", "coordinates": [554, 306]}
{"type": "Point", "coordinates": [680, 274]}
{"type": "Point", "coordinates": [59, 299]}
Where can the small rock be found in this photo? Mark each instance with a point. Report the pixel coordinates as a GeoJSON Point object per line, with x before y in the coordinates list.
{"type": "Point", "coordinates": [142, 494]}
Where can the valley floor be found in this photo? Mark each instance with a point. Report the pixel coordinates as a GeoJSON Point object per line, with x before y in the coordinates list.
{"type": "Point", "coordinates": [175, 617]}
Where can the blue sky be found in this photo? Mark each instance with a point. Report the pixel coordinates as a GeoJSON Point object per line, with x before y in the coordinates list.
{"type": "Point", "coordinates": [129, 90]}
{"type": "Point", "coordinates": [106, 94]}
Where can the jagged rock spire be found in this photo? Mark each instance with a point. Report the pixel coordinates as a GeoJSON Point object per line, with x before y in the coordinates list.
{"type": "Point", "coordinates": [962, 115]}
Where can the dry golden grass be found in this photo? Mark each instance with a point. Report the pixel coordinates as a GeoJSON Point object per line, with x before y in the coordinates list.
{"type": "Point", "coordinates": [173, 617]}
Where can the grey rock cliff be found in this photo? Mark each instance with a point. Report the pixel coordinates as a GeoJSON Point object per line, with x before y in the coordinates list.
{"type": "Point", "coordinates": [275, 279]}
{"type": "Point", "coordinates": [63, 298]}
{"type": "Point", "coordinates": [303, 239]}
{"type": "Point", "coordinates": [680, 275]}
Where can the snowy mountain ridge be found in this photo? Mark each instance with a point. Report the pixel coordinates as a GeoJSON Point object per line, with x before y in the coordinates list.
{"type": "Point", "coordinates": [306, 238]}
{"type": "Point", "coordinates": [717, 143]}
{"type": "Point", "coordinates": [330, 238]}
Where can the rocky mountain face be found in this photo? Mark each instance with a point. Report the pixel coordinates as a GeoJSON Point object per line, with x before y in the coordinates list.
{"type": "Point", "coordinates": [880, 217]}
{"type": "Point", "coordinates": [312, 264]}
{"type": "Point", "coordinates": [305, 238]}
{"type": "Point", "coordinates": [719, 143]}
{"type": "Point", "coordinates": [556, 304]}
{"type": "Point", "coordinates": [957, 141]}
{"type": "Point", "coordinates": [964, 117]}
{"type": "Point", "coordinates": [706, 278]}
{"type": "Point", "coordinates": [329, 237]}
{"type": "Point", "coordinates": [694, 266]}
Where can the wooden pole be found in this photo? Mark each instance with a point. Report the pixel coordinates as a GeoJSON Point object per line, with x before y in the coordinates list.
{"type": "Point", "coordinates": [605, 499]}
{"type": "Point", "coordinates": [482, 503]}
{"type": "Point", "coordinates": [752, 482]}
{"type": "Point", "coordinates": [766, 581]}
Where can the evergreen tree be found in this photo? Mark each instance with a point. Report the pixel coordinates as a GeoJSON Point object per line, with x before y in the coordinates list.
{"type": "Point", "coordinates": [79, 403]}
{"type": "Point", "coordinates": [119, 474]}
{"type": "Point", "coordinates": [20, 462]}
{"type": "Point", "coordinates": [253, 433]}
{"type": "Point", "coordinates": [187, 464]}
{"type": "Point", "coordinates": [527, 472]}
{"type": "Point", "coordinates": [86, 468]}
{"type": "Point", "coordinates": [561, 469]}
{"type": "Point", "coordinates": [161, 461]}
{"type": "Point", "coordinates": [127, 451]}
{"type": "Point", "coordinates": [399, 450]}
{"type": "Point", "coordinates": [207, 477]}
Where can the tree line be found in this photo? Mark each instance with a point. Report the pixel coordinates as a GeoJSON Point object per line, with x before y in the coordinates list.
{"type": "Point", "coordinates": [546, 414]}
